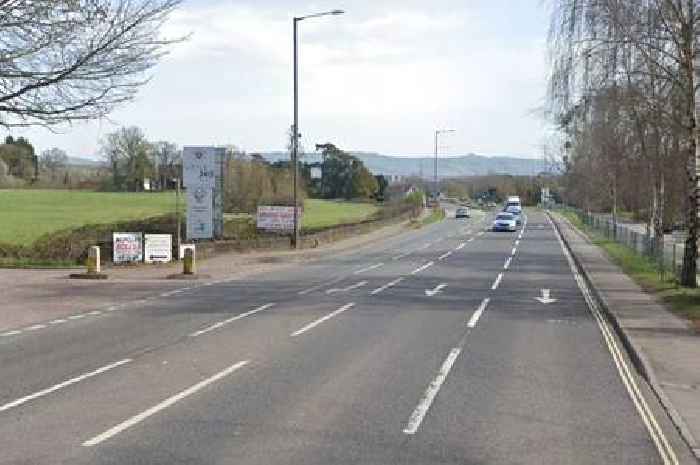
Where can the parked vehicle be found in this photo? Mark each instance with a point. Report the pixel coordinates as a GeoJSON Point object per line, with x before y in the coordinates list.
{"type": "Point", "coordinates": [463, 212]}
{"type": "Point", "coordinates": [505, 222]}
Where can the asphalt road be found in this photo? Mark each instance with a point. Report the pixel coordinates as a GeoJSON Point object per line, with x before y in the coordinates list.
{"type": "Point", "coordinates": [429, 348]}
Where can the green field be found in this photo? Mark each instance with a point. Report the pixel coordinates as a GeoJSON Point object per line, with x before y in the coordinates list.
{"type": "Point", "coordinates": [25, 215]}
{"type": "Point", "coordinates": [324, 213]}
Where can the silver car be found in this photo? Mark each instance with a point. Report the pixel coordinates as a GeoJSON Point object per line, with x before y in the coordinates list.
{"type": "Point", "coordinates": [505, 222]}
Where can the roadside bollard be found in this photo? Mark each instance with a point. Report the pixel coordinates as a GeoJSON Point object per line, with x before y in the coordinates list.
{"type": "Point", "coordinates": [93, 260]}
{"type": "Point", "coordinates": [189, 262]}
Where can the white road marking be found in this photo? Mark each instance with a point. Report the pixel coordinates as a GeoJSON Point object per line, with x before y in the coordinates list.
{"type": "Point", "coordinates": [445, 255]}
{"type": "Point", "coordinates": [95, 312]}
{"type": "Point", "coordinates": [319, 286]}
{"type": "Point", "coordinates": [35, 327]}
{"type": "Point", "coordinates": [56, 387]}
{"type": "Point", "coordinates": [11, 333]}
{"type": "Point", "coordinates": [463, 244]}
{"type": "Point", "coordinates": [497, 282]}
{"type": "Point", "coordinates": [517, 243]}
{"type": "Point", "coordinates": [76, 317]}
{"type": "Point", "coordinates": [57, 322]}
{"type": "Point", "coordinates": [471, 240]}
{"type": "Point", "coordinates": [436, 290]}
{"type": "Point", "coordinates": [665, 450]}
{"type": "Point", "coordinates": [161, 406]}
{"type": "Point", "coordinates": [426, 245]}
{"type": "Point", "coordinates": [481, 233]}
{"type": "Point", "coordinates": [372, 267]}
{"type": "Point", "coordinates": [113, 308]}
{"type": "Point", "coordinates": [386, 286]}
{"type": "Point", "coordinates": [346, 289]}
{"type": "Point", "coordinates": [512, 252]}
{"type": "Point", "coordinates": [399, 257]}
{"type": "Point", "coordinates": [506, 265]}
{"type": "Point", "coordinates": [322, 319]}
{"type": "Point", "coordinates": [231, 320]}
{"type": "Point", "coordinates": [421, 268]}
{"type": "Point", "coordinates": [477, 314]}
{"type": "Point", "coordinates": [424, 405]}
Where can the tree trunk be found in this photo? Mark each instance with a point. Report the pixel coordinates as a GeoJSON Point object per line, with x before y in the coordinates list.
{"type": "Point", "coordinates": [690, 255]}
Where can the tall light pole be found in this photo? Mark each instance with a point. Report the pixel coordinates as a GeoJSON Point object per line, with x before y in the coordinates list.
{"type": "Point", "coordinates": [435, 174]}
{"type": "Point", "coordinates": [295, 126]}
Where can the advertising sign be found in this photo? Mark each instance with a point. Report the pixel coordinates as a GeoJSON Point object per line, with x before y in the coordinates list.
{"type": "Point", "coordinates": [199, 166]}
{"type": "Point", "coordinates": [127, 247]}
{"type": "Point", "coordinates": [158, 248]}
{"type": "Point", "coordinates": [199, 213]}
{"type": "Point", "coordinates": [316, 172]}
{"type": "Point", "coordinates": [277, 218]}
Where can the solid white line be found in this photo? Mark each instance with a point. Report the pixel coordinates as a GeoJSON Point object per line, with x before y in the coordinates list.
{"type": "Point", "coordinates": [11, 333]}
{"type": "Point", "coordinates": [54, 388]}
{"type": "Point", "coordinates": [477, 314]}
{"type": "Point", "coordinates": [497, 282]}
{"type": "Point", "coordinates": [161, 406]}
{"type": "Point", "coordinates": [231, 320]}
{"type": "Point", "coordinates": [372, 267]}
{"type": "Point", "coordinates": [665, 450]}
{"type": "Point", "coordinates": [424, 405]}
{"type": "Point", "coordinates": [506, 265]}
{"type": "Point", "coordinates": [35, 327]}
{"type": "Point", "coordinates": [386, 286]}
{"type": "Point", "coordinates": [319, 286]}
{"type": "Point", "coordinates": [445, 255]}
{"type": "Point", "coordinates": [322, 319]}
{"type": "Point", "coordinates": [424, 267]}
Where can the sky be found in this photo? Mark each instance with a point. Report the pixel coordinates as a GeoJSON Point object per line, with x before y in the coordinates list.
{"type": "Point", "coordinates": [380, 78]}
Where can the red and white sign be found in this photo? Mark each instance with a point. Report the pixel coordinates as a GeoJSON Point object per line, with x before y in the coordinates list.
{"type": "Point", "coordinates": [277, 218]}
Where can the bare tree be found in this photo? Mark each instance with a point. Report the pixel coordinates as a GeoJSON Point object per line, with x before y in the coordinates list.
{"type": "Point", "coordinates": [168, 159]}
{"type": "Point", "coordinates": [53, 160]}
{"type": "Point", "coordinates": [68, 60]}
{"type": "Point", "coordinates": [129, 157]}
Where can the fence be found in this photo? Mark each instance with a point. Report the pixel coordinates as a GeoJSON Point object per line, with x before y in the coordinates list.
{"type": "Point", "coordinates": [669, 256]}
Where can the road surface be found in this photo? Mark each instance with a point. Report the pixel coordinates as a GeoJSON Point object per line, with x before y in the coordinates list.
{"type": "Point", "coordinates": [447, 345]}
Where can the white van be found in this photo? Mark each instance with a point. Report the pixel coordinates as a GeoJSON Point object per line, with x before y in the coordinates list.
{"type": "Point", "coordinates": [513, 201]}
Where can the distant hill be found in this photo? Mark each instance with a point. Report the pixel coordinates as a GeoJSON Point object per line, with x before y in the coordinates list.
{"type": "Point", "coordinates": [77, 161]}
{"type": "Point", "coordinates": [455, 166]}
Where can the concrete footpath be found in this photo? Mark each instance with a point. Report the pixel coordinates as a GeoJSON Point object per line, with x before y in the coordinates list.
{"type": "Point", "coordinates": [664, 347]}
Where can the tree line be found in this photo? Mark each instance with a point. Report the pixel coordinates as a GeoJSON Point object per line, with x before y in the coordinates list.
{"type": "Point", "coordinates": [622, 91]}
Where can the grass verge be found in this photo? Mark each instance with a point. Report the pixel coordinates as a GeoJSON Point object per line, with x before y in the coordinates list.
{"type": "Point", "coordinates": [438, 214]}
{"type": "Point", "coordinates": [682, 301]}
{"type": "Point", "coordinates": [320, 214]}
{"type": "Point", "coordinates": [27, 263]}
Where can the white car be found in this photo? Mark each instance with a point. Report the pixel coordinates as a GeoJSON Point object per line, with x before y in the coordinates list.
{"type": "Point", "coordinates": [505, 222]}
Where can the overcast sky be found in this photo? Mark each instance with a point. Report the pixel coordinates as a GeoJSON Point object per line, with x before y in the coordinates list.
{"type": "Point", "coordinates": [380, 78]}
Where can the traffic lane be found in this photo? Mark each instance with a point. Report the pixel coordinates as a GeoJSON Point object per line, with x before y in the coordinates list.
{"type": "Point", "coordinates": [326, 393]}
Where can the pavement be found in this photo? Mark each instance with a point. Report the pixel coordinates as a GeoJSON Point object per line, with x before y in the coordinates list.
{"type": "Point", "coordinates": [664, 347]}
{"type": "Point", "coordinates": [449, 344]}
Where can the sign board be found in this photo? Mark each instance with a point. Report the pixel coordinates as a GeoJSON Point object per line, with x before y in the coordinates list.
{"type": "Point", "coordinates": [316, 172]}
{"type": "Point", "coordinates": [277, 218]}
{"type": "Point", "coordinates": [127, 247]}
{"type": "Point", "coordinates": [199, 214]}
{"type": "Point", "coordinates": [158, 248]}
{"type": "Point", "coordinates": [199, 167]}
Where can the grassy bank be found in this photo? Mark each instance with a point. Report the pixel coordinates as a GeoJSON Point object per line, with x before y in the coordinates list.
{"type": "Point", "coordinates": [682, 301]}
{"type": "Point", "coordinates": [319, 214]}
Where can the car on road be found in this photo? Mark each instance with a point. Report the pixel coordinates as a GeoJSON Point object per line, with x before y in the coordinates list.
{"type": "Point", "coordinates": [463, 212]}
{"type": "Point", "coordinates": [505, 222]}
{"type": "Point", "coordinates": [517, 212]}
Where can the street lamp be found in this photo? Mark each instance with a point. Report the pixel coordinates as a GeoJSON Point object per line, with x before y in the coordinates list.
{"type": "Point", "coordinates": [435, 179]}
{"type": "Point", "coordinates": [295, 126]}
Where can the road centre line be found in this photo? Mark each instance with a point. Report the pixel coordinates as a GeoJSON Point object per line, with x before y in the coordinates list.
{"type": "Point", "coordinates": [399, 257]}
{"type": "Point", "coordinates": [423, 406]}
{"type": "Point", "coordinates": [506, 265]}
{"type": "Point", "coordinates": [11, 333]}
{"type": "Point", "coordinates": [231, 320]}
{"type": "Point", "coordinates": [512, 252]}
{"type": "Point", "coordinates": [346, 289]}
{"type": "Point", "coordinates": [372, 267]}
{"type": "Point", "coordinates": [421, 268]}
{"type": "Point", "coordinates": [161, 406]}
{"type": "Point", "coordinates": [497, 282]}
{"type": "Point", "coordinates": [655, 432]}
{"type": "Point", "coordinates": [319, 286]}
{"type": "Point", "coordinates": [56, 387]}
{"type": "Point", "coordinates": [315, 323]}
{"type": "Point", "coordinates": [477, 314]}
{"type": "Point", "coordinates": [463, 244]}
{"type": "Point", "coordinates": [445, 255]}
{"type": "Point", "coordinates": [386, 286]}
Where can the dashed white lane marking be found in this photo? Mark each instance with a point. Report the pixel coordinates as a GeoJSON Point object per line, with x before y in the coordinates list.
{"type": "Point", "coordinates": [512, 252]}
{"type": "Point", "coordinates": [56, 387]}
{"type": "Point", "coordinates": [506, 265]}
{"type": "Point", "coordinates": [11, 333]}
{"type": "Point", "coordinates": [94, 312]}
{"type": "Point", "coordinates": [424, 405]}
{"type": "Point", "coordinates": [319, 286]}
{"type": "Point", "coordinates": [517, 243]}
{"type": "Point", "coordinates": [161, 406]}
{"type": "Point", "coordinates": [57, 321]}
{"type": "Point", "coordinates": [231, 320]}
{"type": "Point", "coordinates": [463, 244]}
{"type": "Point", "coordinates": [346, 289]}
{"type": "Point", "coordinates": [399, 257]}
{"type": "Point", "coordinates": [313, 324]}
{"type": "Point", "coordinates": [386, 286]}
{"type": "Point", "coordinates": [445, 255]}
{"type": "Point", "coordinates": [477, 314]}
{"type": "Point", "coordinates": [76, 317]}
{"type": "Point", "coordinates": [497, 282]}
{"type": "Point", "coordinates": [369, 268]}
{"type": "Point", "coordinates": [421, 268]}
{"type": "Point", "coordinates": [34, 327]}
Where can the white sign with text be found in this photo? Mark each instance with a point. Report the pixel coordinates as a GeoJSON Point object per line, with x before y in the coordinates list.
{"type": "Point", "coordinates": [158, 248]}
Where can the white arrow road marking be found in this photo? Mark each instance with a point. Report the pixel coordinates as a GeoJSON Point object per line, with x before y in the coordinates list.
{"type": "Point", "coordinates": [386, 286]}
{"type": "Point", "coordinates": [506, 265]}
{"type": "Point", "coordinates": [346, 289]}
{"type": "Point", "coordinates": [437, 289]}
{"type": "Point", "coordinates": [372, 267]}
{"type": "Point", "coordinates": [463, 244]}
{"type": "Point", "coordinates": [445, 255]}
{"type": "Point", "coordinates": [424, 267]}
{"type": "Point", "coordinates": [545, 299]}
{"type": "Point", "coordinates": [161, 406]}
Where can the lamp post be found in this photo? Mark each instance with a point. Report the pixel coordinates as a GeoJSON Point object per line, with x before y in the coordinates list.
{"type": "Point", "coordinates": [295, 126]}
{"type": "Point", "coordinates": [435, 174]}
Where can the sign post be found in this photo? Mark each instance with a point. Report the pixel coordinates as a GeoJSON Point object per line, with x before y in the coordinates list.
{"type": "Point", "coordinates": [203, 176]}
